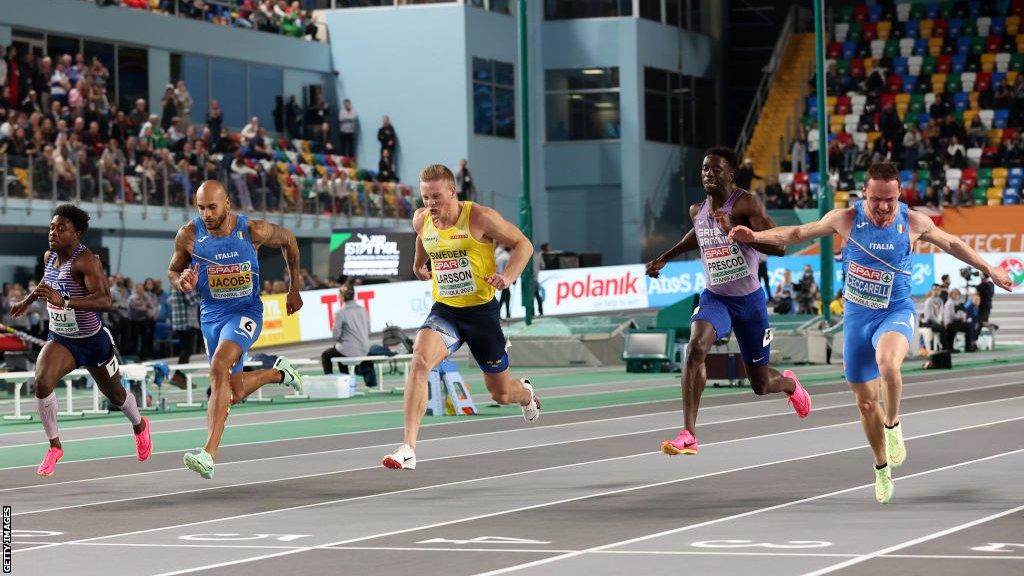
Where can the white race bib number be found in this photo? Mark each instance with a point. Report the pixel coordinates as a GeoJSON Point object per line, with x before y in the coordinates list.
{"type": "Point", "coordinates": [454, 277]}
{"type": "Point", "coordinates": [869, 287]}
{"type": "Point", "coordinates": [725, 264]}
{"type": "Point", "coordinates": [63, 322]}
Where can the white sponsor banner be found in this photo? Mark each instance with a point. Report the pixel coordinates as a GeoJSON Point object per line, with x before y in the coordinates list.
{"type": "Point", "coordinates": [1012, 262]}
{"type": "Point", "coordinates": [579, 290]}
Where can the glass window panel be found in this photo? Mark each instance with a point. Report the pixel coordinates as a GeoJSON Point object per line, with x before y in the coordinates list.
{"type": "Point", "coordinates": [132, 76]}
{"type": "Point", "coordinates": [265, 83]}
{"type": "Point", "coordinates": [482, 70]}
{"type": "Point", "coordinates": [655, 79]}
{"type": "Point", "coordinates": [195, 73]}
{"type": "Point", "coordinates": [175, 67]}
{"type": "Point", "coordinates": [650, 9]}
{"type": "Point", "coordinates": [674, 118]}
{"type": "Point", "coordinates": [228, 86]}
{"type": "Point", "coordinates": [504, 113]}
{"type": "Point", "coordinates": [503, 73]}
{"type": "Point", "coordinates": [502, 6]}
{"type": "Point", "coordinates": [483, 108]}
{"type": "Point", "coordinates": [56, 46]}
{"type": "Point", "coordinates": [656, 116]}
{"type": "Point", "coordinates": [672, 11]}
{"type": "Point", "coordinates": [590, 116]}
{"type": "Point", "coordinates": [566, 9]}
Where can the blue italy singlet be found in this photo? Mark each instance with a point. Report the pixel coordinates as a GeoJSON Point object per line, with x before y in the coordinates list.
{"type": "Point", "coordinates": [229, 272]}
{"type": "Point", "coordinates": [878, 261]}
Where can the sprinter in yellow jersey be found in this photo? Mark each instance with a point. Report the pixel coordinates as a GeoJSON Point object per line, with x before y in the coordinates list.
{"type": "Point", "coordinates": [458, 238]}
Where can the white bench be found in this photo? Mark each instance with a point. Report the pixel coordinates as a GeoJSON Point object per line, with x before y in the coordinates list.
{"type": "Point", "coordinates": [352, 361]}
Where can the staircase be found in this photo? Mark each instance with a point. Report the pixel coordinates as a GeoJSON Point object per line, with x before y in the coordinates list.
{"type": "Point", "coordinates": [782, 110]}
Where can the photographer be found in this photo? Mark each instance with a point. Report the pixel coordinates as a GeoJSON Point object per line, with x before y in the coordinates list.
{"type": "Point", "coordinates": [954, 319]}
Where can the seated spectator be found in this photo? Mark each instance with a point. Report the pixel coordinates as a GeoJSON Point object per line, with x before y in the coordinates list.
{"type": "Point", "coordinates": [954, 319]}
{"type": "Point", "coordinates": [351, 333]}
{"type": "Point", "coordinates": [807, 292]}
{"type": "Point", "coordinates": [838, 305]}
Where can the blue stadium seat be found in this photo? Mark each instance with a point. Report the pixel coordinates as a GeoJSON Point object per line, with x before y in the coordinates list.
{"type": "Point", "coordinates": [931, 11]}
{"type": "Point", "coordinates": [962, 101]}
{"type": "Point", "coordinates": [954, 27]}
{"type": "Point", "coordinates": [958, 64]}
{"type": "Point", "coordinates": [921, 47]}
{"type": "Point", "coordinates": [1011, 196]}
{"type": "Point", "coordinates": [963, 46]}
{"type": "Point", "coordinates": [899, 66]}
{"type": "Point", "coordinates": [1000, 117]}
{"type": "Point", "coordinates": [909, 82]}
{"type": "Point", "coordinates": [849, 49]}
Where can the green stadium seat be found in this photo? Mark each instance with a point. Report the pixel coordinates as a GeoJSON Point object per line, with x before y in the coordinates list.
{"type": "Point", "coordinates": [980, 197]}
{"type": "Point", "coordinates": [928, 65]}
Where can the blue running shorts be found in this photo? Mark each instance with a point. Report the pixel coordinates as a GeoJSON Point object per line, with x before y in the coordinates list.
{"type": "Point", "coordinates": [746, 316]}
{"type": "Point", "coordinates": [863, 327]}
{"type": "Point", "coordinates": [242, 329]}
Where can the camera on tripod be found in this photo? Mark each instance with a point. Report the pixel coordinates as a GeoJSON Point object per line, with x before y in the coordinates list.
{"type": "Point", "coordinates": [967, 273]}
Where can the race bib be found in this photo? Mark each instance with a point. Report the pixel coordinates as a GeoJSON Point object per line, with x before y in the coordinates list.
{"type": "Point", "coordinates": [63, 322]}
{"type": "Point", "coordinates": [725, 264]}
{"type": "Point", "coordinates": [229, 280]}
{"type": "Point", "coordinates": [454, 276]}
{"type": "Point", "coordinates": [868, 287]}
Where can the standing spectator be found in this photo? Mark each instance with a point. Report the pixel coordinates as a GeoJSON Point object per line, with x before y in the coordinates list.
{"type": "Point", "coordinates": [538, 265]}
{"type": "Point", "coordinates": [317, 114]}
{"type": "Point", "coordinates": [142, 310]}
{"type": "Point", "coordinates": [240, 175]}
{"type": "Point", "coordinates": [249, 130]}
{"type": "Point", "coordinates": [464, 181]}
{"type": "Point", "coordinates": [911, 144]}
{"type": "Point", "coordinates": [501, 259]}
{"type": "Point", "coordinates": [322, 139]}
{"type": "Point", "coordinates": [214, 117]}
{"type": "Point", "coordinates": [41, 81]}
{"type": "Point", "coordinates": [385, 169]}
{"type": "Point", "coordinates": [348, 121]}
{"type": "Point", "coordinates": [169, 107]}
{"type": "Point", "coordinates": [59, 84]}
{"type": "Point", "coordinates": [184, 103]}
{"type": "Point", "coordinates": [956, 154]}
{"type": "Point", "coordinates": [4, 100]}
{"type": "Point", "coordinates": [291, 118]}
{"type": "Point", "coordinates": [12, 77]}
{"type": "Point", "coordinates": [807, 292]}
{"type": "Point", "coordinates": [279, 114]}
{"type": "Point", "coordinates": [350, 329]}
{"type": "Point", "coordinates": [745, 176]}
{"type": "Point", "coordinates": [986, 290]}
{"type": "Point", "coordinates": [184, 322]}
{"type": "Point", "coordinates": [762, 273]}
{"type": "Point", "coordinates": [812, 147]}
{"type": "Point", "coordinates": [798, 151]}
{"type": "Point", "coordinates": [387, 137]}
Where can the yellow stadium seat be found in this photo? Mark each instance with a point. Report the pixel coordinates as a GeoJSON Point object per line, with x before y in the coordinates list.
{"type": "Point", "coordinates": [995, 137]}
{"type": "Point", "coordinates": [1012, 24]}
{"type": "Point", "coordinates": [969, 115]}
{"type": "Point", "coordinates": [903, 98]}
{"type": "Point", "coordinates": [1000, 173]}
{"type": "Point", "coordinates": [934, 46]}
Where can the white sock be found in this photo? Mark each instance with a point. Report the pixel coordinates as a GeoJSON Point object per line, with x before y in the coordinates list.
{"type": "Point", "coordinates": [48, 414]}
{"type": "Point", "coordinates": [130, 410]}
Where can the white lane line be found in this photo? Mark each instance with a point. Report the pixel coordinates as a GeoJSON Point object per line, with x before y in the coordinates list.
{"type": "Point", "coordinates": [741, 515]}
{"type": "Point", "coordinates": [496, 450]}
{"type": "Point", "coordinates": [608, 552]}
{"type": "Point", "coordinates": [950, 557]}
{"type": "Point", "coordinates": [388, 445]}
{"type": "Point", "coordinates": [913, 542]}
{"type": "Point", "coordinates": [541, 505]}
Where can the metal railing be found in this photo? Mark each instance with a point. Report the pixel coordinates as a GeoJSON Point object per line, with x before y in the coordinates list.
{"type": "Point", "coordinates": [761, 95]}
{"type": "Point", "coordinates": [167, 188]}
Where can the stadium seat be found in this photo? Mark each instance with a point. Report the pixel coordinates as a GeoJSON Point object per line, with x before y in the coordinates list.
{"type": "Point", "coordinates": [1011, 196]}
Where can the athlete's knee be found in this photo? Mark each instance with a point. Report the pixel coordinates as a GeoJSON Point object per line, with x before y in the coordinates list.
{"type": "Point", "coordinates": [696, 353]}
{"type": "Point", "coordinates": [420, 364]}
{"type": "Point", "coordinates": [220, 372]}
{"type": "Point", "coordinates": [867, 405]}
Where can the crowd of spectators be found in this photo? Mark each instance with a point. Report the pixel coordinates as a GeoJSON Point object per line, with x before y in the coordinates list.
{"type": "Point", "coordinates": [940, 144]}
{"type": "Point", "coordinates": [293, 18]}
{"type": "Point", "coordinates": [62, 135]}
{"type": "Point", "coordinates": [948, 311]}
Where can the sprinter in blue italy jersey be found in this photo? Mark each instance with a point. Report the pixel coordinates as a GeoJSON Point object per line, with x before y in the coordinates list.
{"type": "Point", "coordinates": [215, 254]}
{"type": "Point", "coordinates": [879, 320]}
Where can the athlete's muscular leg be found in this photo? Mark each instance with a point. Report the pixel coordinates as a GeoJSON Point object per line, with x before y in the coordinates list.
{"type": "Point", "coordinates": [768, 380]}
{"type": "Point", "coordinates": [110, 385]}
{"type": "Point", "coordinates": [889, 354]}
{"type": "Point", "coordinates": [505, 389]}
{"type": "Point", "coordinates": [224, 357]}
{"type": "Point", "coordinates": [245, 383]}
{"type": "Point", "coordinates": [702, 336]}
{"type": "Point", "coordinates": [54, 363]}
{"type": "Point", "coordinates": [428, 351]}
{"type": "Point", "coordinates": [871, 416]}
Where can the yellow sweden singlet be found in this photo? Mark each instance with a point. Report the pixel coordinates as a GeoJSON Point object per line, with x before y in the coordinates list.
{"type": "Point", "coordinates": [459, 262]}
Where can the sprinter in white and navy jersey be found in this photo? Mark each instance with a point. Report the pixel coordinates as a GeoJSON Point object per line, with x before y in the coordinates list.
{"type": "Point", "coordinates": [75, 290]}
{"type": "Point", "coordinates": [879, 322]}
{"type": "Point", "coordinates": [733, 302]}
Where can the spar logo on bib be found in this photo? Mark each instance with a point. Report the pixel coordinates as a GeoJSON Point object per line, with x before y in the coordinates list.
{"type": "Point", "coordinates": [1015, 268]}
{"type": "Point", "coordinates": [230, 280]}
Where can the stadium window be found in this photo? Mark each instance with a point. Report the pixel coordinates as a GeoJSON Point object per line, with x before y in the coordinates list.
{"type": "Point", "coordinates": [494, 111]}
{"type": "Point", "coordinates": [650, 9]}
{"type": "Point", "coordinates": [57, 46]}
{"type": "Point", "coordinates": [195, 71]}
{"type": "Point", "coordinates": [683, 14]}
{"type": "Point", "coordinates": [678, 109]}
{"type": "Point", "coordinates": [228, 85]}
{"type": "Point", "coordinates": [582, 104]}
{"type": "Point", "coordinates": [265, 83]}
{"type": "Point", "coordinates": [132, 76]}
{"type": "Point", "coordinates": [571, 9]}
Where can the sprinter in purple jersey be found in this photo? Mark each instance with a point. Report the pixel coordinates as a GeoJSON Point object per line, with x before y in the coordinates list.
{"type": "Point", "coordinates": [75, 290]}
{"type": "Point", "coordinates": [216, 255]}
{"type": "Point", "coordinates": [880, 318]}
{"type": "Point", "coordinates": [733, 300]}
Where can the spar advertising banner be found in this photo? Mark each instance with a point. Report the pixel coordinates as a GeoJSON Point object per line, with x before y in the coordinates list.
{"type": "Point", "coordinates": [987, 229]}
{"type": "Point", "coordinates": [1012, 262]}
{"type": "Point", "coordinates": [684, 278]}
